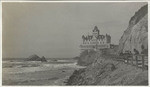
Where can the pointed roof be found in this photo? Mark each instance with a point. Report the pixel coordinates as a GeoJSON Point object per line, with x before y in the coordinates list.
{"type": "Point", "coordinates": [95, 29]}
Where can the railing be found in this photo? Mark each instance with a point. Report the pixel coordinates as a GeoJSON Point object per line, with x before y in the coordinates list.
{"type": "Point", "coordinates": [139, 60]}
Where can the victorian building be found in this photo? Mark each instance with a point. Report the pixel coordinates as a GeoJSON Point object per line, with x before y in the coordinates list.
{"type": "Point", "coordinates": [95, 40]}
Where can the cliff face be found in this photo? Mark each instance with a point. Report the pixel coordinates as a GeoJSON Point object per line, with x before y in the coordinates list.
{"type": "Point", "coordinates": [105, 71]}
{"type": "Point", "coordinates": [86, 58]}
{"type": "Point", "coordinates": [136, 34]}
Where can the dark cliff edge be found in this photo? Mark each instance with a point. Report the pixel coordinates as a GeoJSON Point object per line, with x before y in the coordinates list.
{"type": "Point", "coordinates": [103, 68]}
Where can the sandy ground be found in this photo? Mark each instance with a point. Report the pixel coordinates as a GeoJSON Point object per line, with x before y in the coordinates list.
{"type": "Point", "coordinates": [43, 74]}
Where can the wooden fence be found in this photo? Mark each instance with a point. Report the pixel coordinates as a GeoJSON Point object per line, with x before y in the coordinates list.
{"type": "Point", "coordinates": [139, 60]}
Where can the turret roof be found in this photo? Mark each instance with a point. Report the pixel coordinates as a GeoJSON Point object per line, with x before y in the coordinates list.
{"type": "Point", "coordinates": [95, 29]}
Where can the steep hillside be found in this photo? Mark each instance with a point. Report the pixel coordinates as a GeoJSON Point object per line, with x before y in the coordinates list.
{"type": "Point", "coordinates": [136, 34]}
{"type": "Point", "coordinates": [104, 71]}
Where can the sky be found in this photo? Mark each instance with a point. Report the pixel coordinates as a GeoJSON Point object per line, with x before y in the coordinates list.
{"type": "Point", "coordinates": [54, 30]}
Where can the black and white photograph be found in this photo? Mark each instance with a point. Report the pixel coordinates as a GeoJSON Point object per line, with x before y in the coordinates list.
{"type": "Point", "coordinates": [75, 43]}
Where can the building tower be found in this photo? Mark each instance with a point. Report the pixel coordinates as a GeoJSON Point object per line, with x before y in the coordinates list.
{"type": "Point", "coordinates": [96, 31]}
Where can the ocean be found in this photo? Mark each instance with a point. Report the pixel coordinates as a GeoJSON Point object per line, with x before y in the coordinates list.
{"type": "Point", "coordinates": [18, 71]}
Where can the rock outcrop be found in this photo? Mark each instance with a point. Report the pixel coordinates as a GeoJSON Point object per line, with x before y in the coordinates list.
{"type": "Point", "coordinates": [43, 59]}
{"type": "Point", "coordinates": [136, 35]}
{"type": "Point", "coordinates": [106, 71]}
{"type": "Point", "coordinates": [86, 58]}
{"type": "Point", "coordinates": [36, 58]}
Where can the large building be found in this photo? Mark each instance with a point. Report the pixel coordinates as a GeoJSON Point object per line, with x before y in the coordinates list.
{"type": "Point", "coordinates": [96, 40]}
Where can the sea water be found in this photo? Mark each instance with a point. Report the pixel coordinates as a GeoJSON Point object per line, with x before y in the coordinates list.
{"type": "Point", "coordinates": [16, 72]}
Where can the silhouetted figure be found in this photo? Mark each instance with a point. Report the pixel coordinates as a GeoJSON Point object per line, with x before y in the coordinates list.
{"type": "Point", "coordinates": [136, 51]}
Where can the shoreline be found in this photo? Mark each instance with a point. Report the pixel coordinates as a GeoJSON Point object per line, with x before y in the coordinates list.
{"type": "Point", "coordinates": [43, 74]}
